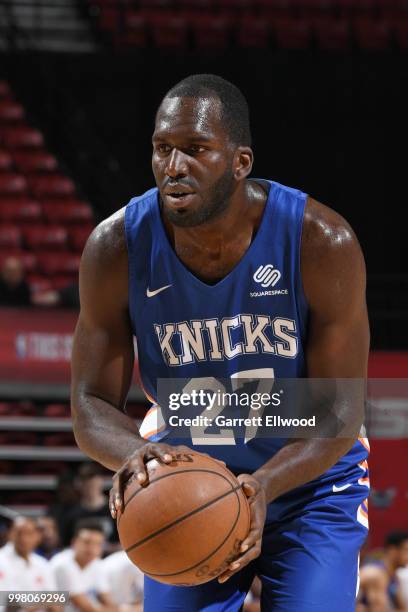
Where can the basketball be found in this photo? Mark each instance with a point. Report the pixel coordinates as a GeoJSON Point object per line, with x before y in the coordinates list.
{"type": "Point", "coordinates": [187, 525]}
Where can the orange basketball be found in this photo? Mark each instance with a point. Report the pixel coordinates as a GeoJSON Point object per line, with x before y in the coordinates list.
{"type": "Point", "coordinates": [187, 525]}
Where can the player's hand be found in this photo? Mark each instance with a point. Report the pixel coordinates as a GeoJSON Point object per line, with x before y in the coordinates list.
{"type": "Point", "coordinates": [251, 546]}
{"type": "Point", "coordinates": [136, 464]}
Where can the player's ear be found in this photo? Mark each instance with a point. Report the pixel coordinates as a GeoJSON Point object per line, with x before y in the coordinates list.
{"type": "Point", "coordinates": [243, 161]}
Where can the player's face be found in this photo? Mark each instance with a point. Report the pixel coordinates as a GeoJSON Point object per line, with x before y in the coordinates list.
{"type": "Point", "coordinates": [192, 160]}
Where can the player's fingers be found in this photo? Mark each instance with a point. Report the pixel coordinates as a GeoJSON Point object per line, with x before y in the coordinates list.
{"type": "Point", "coordinates": [112, 508]}
{"type": "Point", "coordinates": [137, 466]}
{"type": "Point", "coordinates": [242, 561]}
{"type": "Point", "coordinates": [159, 451]}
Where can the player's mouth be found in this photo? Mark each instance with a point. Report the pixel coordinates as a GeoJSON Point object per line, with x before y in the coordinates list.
{"type": "Point", "coordinates": [179, 199]}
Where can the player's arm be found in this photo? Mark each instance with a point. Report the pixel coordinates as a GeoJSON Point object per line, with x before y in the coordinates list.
{"type": "Point", "coordinates": [333, 274]}
{"type": "Point", "coordinates": [103, 358]}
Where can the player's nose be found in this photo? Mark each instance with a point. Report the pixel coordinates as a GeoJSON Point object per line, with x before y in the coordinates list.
{"type": "Point", "coordinates": [176, 164]}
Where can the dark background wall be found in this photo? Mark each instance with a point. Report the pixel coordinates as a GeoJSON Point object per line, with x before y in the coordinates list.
{"type": "Point", "coordinates": [333, 125]}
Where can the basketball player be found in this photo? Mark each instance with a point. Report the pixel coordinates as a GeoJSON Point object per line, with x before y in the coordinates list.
{"type": "Point", "coordinates": [179, 268]}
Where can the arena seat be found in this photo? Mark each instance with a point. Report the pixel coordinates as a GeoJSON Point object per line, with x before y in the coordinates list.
{"type": "Point", "coordinates": [69, 211]}
{"type": "Point", "coordinates": [35, 498]}
{"type": "Point", "coordinates": [11, 112]}
{"type": "Point", "coordinates": [59, 263]}
{"type": "Point", "coordinates": [57, 411]}
{"type": "Point", "coordinates": [108, 18]}
{"type": "Point", "coordinates": [78, 237]}
{"type": "Point", "coordinates": [13, 184]}
{"type": "Point", "coordinates": [20, 211]}
{"type": "Point", "coordinates": [45, 237]}
{"type": "Point", "coordinates": [18, 438]}
{"type": "Point", "coordinates": [22, 138]}
{"type": "Point", "coordinates": [5, 90]}
{"type": "Point", "coordinates": [332, 34]}
{"type": "Point", "coordinates": [44, 468]}
{"type": "Point", "coordinates": [62, 281]}
{"type": "Point", "coordinates": [6, 409]}
{"type": "Point", "coordinates": [211, 31]}
{"type": "Point", "coordinates": [6, 161]}
{"type": "Point", "coordinates": [29, 259]}
{"type": "Point", "coordinates": [168, 31]}
{"type": "Point", "coordinates": [253, 32]}
{"type": "Point", "coordinates": [36, 161]}
{"type": "Point", "coordinates": [234, 5]}
{"type": "Point", "coordinates": [292, 33]}
{"type": "Point", "coordinates": [39, 283]}
{"type": "Point", "coordinates": [372, 35]}
{"type": "Point", "coordinates": [400, 29]}
{"type": "Point", "coordinates": [10, 236]}
{"type": "Point", "coordinates": [25, 409]}
{"type": "Point", "coordinates": [53, 185]}
{"type": "Point", "coordinates": [135, 33]}
{"type": "Point", "coordinates": [62, 438]}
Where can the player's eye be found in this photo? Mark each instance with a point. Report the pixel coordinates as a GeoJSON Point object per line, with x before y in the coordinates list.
{"type": "Point", "coordinates": [194, 149]}
{"type": "Point", "coordinates": [163, 148]}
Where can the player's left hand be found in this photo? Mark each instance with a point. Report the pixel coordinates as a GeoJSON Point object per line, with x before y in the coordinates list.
{"type": "Point", "coordinates": [251, 546]}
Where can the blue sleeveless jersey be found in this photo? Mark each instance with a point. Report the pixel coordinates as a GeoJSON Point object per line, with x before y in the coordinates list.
{"type": "Point", "coordinates": [253, 319]}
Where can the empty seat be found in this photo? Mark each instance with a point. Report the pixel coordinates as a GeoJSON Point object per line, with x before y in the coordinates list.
{"type": "Point", "coordinates": [34, 498]}
{"type": "Point", "coordinates": [59, 263]}
{"type": "Point", "coordinates": [25, 408]}
{"type": "Point", "coordinates": [6, 161]}
{"type": "Point", "coordinates": [332, 34]}
{"type": "Point", "coordinates": [13, 184]}
{"type": "Point", "coordinates": [43, 468]}
{"type": "Point", "coordinates": [45, 237]}
{"type": "Point", "coordinates": [20, 211]}
{"type": "Point", "coordinates": [169, 31]}
{"type": "Point", "coordinates": [29, 259]}
{"type": "Point", "coordinates": [135, 33]}
{"type": "Point", "coordinates": [401, 33]}
{"type": "Point", "coordinates": [36, 161]}
{"type": "Point", "coordinates": [78, 237]}
{"type": "Point", "coordinates": [57, 410]}
{"type": "Point", "coordinates": [53, 185]}
{"type": "Point", "coordinates": [39, 283]}
{"type": "Point", "coordinates": [253, 32]}
{"type": "Point", "coordinates": [11, 112]}
{"type": "Point", "coordinates": [211, 31]}
{"type": "Point", "coordinates": [18, 438]}
{"type": "Point", "coordinates": [292, 33]}
{"type": "Point", "coordinates": [69, 211]}
{"type": "Point", "coordinates": [5, 407]}
{"type": "Point", "coordinates": [63, 438]}
{"type": "Point", "coordinates": [22, 138]}
{"type": "Point", "coordinates": [372, 35]}
{"type": "Point", "coordinates": [63, 281]}
{"type": "Point", "coordinates": [10, 236]}
{"type": "Point", "coordinates": [108, 18]}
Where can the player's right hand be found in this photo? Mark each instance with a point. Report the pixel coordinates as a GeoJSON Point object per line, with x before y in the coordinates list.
{"type": "Point", "coordinates": [136, 464]}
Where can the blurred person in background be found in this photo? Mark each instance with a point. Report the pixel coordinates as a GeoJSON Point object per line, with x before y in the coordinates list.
{"type": "Point", "coordinates": [67, 297]}
{"type": "Point", "coordinates": [66, 501]}
{"type": "Point", "coordinates": [49, 542]}
{"type": "Point", "coordinates": [20, 568]}
{"type": "Point", "coordinates": [14, 289]}
{"type": "Point", "coordinates": [380, 586]}
{"type": "Point", "coordinates": [79, 570]}
{"type": "Point", "coordinates": [92, 503]}
{"type": "Point", "coordinates": [125, 581]}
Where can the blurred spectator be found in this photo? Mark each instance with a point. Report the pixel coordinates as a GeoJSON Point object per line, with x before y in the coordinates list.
{"type": "Point", "coordinates": [14, 290]}
{"type": "Point", "coordinates": [49, 542]}
{"type": "Point", "coordinates": [93, 503]}
{"type": "Point", "coordinates": [68, 297]}
{"type": "Point", "coordinates": [20, 568]}
{"type": "Point", "coordinates": [380, 588]}
{"type": "Point", "coordinates": [66, 501]}
{"type": "Point", "coordinates": [79, 570]}
{"type": "Point", "coordinates": [402, 576]}
{"type": "Point", "coordinates": [125, 581]}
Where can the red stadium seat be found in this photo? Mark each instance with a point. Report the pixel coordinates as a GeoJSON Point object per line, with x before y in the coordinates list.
{"type": "Point", "coordinates": [201, 5]}
{"type": "Point", "coordinates": [59, 263]}
{"type": "Point", "coordinates": [5, 91]}
{"type": "Point", "coordinates": [57, 410]}
{"type": "Point", "coordinates": [108, 18]}
{"type": "Point", "coordinates": [332, 34]}
{"type": "Point", "coordinates": [5, 407]}
{"type": "Point", "coordinates": [64, 438]}
{"type": "Point", "coordinates": [36, 161]}
{"type": "Point", "coordinates": [43, 468]}
{"type": "Point", "coordinates": [33, 498]}
{"type": "Point", "coordinates": [135, 34]}
{"type": "Point", "coordinates": [253, 32]}
{"type": "Point", "coordinates": [25, 409]}
{"type": "Point", "coordinates": [62, 281]}
{"type": "Point", "coordinates": [235, 5]}
{"type": "Point", "coordinates": [13, 184]}
{"type": "Point", "coordinates": [7, 467]}
{"type": "Point", "coordinates": [45, 237]}
{"type": "Point", "coordinates": [157, 4]}
{"type": "Point", "coordinates": [22, 138]}
{"type": "Point", "coordinates": [53, 185]}
{"type": "Point", "coordinates": [169, 30]}
{"type": "Point", "coordinates": [372, 35]}
{"type": "Point", "coordinates": [11, 112]}
{"type": "Point", "coordinates": [19, 438]}
{"type": "Point", "coordinates": [67, 211]}
{"type": "Point", "coordinates": [29, 259]}
{"type": "Point", "coordinates": [292, 34]}
{"type": "Point", "coordinates": [20, 211]}
{"type": "Point", "coordinates": [10, 236]}
{"type": "Point", "coordinates": [6, 161]}
{"type": "Point", "coordinates": [211, 31]}
{"type": "Point", "coordinates": [401, 34]}
{"type": "Point", "coordinates": [78, 237]}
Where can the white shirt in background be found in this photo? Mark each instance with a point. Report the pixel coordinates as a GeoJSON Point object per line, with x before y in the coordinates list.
{"type": "Point", "coordinates": [402, 575]}
{"type": "Point", "coordinates": [17, 574]}
{"type": "Point", "coordinates": [71, 577]}
{"type": "Point", "coordinates": [124, 579]}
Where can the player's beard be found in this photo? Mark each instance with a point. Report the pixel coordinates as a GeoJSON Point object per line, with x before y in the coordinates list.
{"type": "Point", "coordinates": [216, 201]}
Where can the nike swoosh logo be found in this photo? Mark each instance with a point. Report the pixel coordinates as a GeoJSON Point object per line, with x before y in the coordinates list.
{"type": "Point", "coordinates": [156, 291]}
{"type": "Point", "coordinates": [336, 489]}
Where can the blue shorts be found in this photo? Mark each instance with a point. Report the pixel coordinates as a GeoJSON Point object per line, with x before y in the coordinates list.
{"type": "Point", "coordinates": [309, 562]}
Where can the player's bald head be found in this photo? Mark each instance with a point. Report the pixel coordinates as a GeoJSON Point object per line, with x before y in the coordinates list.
{"type": "Point", "coordinates": [217, 96]}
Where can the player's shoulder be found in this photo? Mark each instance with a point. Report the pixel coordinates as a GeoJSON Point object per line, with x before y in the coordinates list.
{"type": "Point", "coordinates": [326, 233]}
